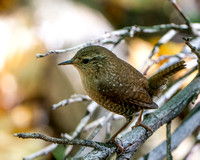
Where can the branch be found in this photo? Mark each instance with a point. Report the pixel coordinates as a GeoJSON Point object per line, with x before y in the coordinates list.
{"type": "Point", "coordinates": [90, 110]}
{"type": "Point", "coordinates": [72, 99]}
{"type": "Point", "coordinates": [94, 124]}
{"type": "Point", "coordinates": [185, 53]}
{"type": "Point", "coordinates": [41, 152]}
{"type": "Point", "coordinates": [179, 9]}
{"type": "Point", "coordinates": [164, 39]}
{"type": "Point", "coordinates": [100, 126]}
{"type": "Point", "coordinates": [193, 49]}
{"type": "Point", "coordinates": [88, 143]}
{"type": "Point", "coordinates": [134, 139]}
{"type": "Point", "coordinates": [171, 59]}
{"type": "Point", "coordinates": [169, 154]}
{"type": "Point", "coordinates": [110, 37]}
{"type": "Point", "coordinates": [189, 125]}
{"type": "Point", "coordinates": [95, 132]}
{"type": "Point", "coordinates": [152, 62]}
{"type": "Point", "coordinates": [99, 121]}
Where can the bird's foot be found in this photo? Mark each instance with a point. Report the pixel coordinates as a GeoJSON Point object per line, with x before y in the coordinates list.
{"type": "Point", "coordinates": [118, 143]}
{"type": "Point", "coordinates": [139, 123]}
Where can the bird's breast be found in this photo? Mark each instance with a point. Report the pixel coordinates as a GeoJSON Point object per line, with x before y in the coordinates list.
{"type": "Point", "coordinates": [101, 91]}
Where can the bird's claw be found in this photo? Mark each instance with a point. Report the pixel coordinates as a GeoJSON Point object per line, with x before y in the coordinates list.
{"type": "Point", "coordinates": [118, 143]}
{"type": "Point", "coordinates": [142, 125]}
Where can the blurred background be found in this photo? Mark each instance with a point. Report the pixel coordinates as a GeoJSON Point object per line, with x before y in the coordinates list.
{"type": "Point", "coordinates": [29, 86]}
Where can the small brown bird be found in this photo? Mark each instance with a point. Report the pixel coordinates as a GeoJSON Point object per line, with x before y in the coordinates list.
{"type": "Point", "coordinates": [116, 85]}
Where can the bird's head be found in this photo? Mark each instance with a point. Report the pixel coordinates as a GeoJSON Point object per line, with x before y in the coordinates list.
{"type": "Point", "coordinates": [90, 59]}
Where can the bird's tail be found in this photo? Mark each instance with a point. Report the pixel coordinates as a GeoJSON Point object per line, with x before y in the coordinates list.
{"type": "Point", "coordinates": [159, 79]}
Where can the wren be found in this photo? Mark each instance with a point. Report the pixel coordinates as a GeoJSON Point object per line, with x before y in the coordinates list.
{"type": "Point", "coordinates": [116, 85]}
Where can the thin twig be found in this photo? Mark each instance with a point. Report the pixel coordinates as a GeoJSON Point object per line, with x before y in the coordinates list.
{"type": "Point", "coordinates": [179, 9]}
{"type": "Point", "coordinates": [41, 152]}
{"type": "Point", "coordinates": [65, 141]}
{"type": "Point", "coordinates": [171, 59]}
{"type": "Point", "coordinates": [110, 37]}
{"type": "Point", "coordinates": [90, 110]}
{"type": "Point", "coordinates": [169, 154]}
{"type": "Point", "coordinates": [95, 132]}
{"type": "Point", "coordinates": [94, 124]}
{"type": "Point", "coordinates": [164, 39]}
{"type": "Point", "coordinates": [72, 99]}
{"type": "Point", "coordinates": [152, 62]}
{"type": "Point", "coordinates": [194, 42]}
{"type": "Point", "coordinates": [38, 55]}
{"type": "Point", "coordinates": [66, 135]}
{"type": "Point", "coordinates": [100, 126]}
{"type": "Point", "coordinates": [193, 49]}
{"type": "Point", "coordinates": [97, 122]}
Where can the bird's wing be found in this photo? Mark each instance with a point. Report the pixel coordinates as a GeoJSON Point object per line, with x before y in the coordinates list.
{"type": "Point", "coordinates": [134, 95]}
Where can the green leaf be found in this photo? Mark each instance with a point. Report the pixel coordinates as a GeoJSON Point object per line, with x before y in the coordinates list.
{"type": "Point", "coordinates": [59, 152]}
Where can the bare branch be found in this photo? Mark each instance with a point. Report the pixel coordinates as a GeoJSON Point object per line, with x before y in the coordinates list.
{"type": "Point", "coordinates": [42, 152]}
{"type": "Point", "coordinates": [66, 135]}
{"type": "Point", "coordinates": [97, 122]}
{"type": "Point", "coordinates": [179, 9]}
{"type": "Point", "coordinates": [65, 141]}
{"type": "Point", "coordinates": [164, 39]}
{"type": "Point", "coordinates": [100, 126]}
{"type": "Point", "coordinates": [72, 99]}
{"type": "Point", "coordinates": [110, 37]}
{"type": "Point", "coordinates": [193, 49]}
{"type": "Point", "coordinates": [169, 154]}
{"type": "Point", "coordinates": [94, 124]}
{"type": "Point", "coordinates": [90, 110]}
{"type": "Point", "coordinates": [190, 123]}
{"type": "Point", "coordinates": [95, 132]}
{"type": "Point", "coordinates": [152, 62]}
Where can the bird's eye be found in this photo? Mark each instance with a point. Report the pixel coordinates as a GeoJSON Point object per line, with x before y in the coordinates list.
{"type": "Point", "coordinates": [85, 61]}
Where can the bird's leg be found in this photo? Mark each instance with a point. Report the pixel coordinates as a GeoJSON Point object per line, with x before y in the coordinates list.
{"type": "Point", "coordinates": [139, 122]}
{"type": "Point", "coordinates": [112, 139]}
{"type": "Point", "coordinates": [122, 128]}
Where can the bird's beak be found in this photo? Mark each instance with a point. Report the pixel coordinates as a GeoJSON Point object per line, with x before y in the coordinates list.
{"type": "Point", "coordinates": [66, 62]}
